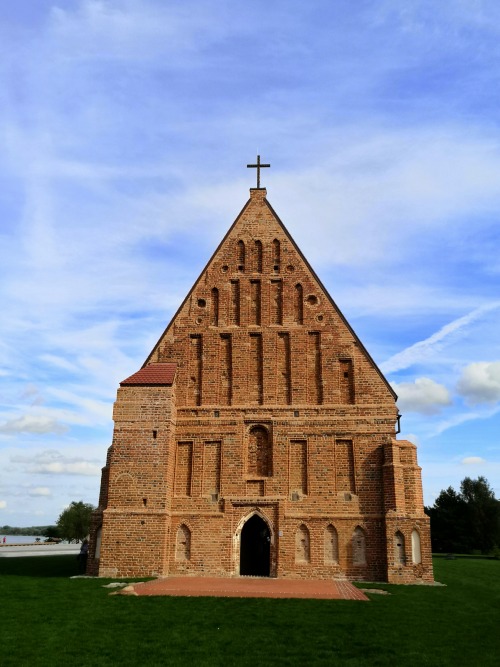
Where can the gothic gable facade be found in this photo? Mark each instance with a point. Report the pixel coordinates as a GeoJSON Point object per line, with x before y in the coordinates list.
{"type": "Point", "coordinates": [259, 436]}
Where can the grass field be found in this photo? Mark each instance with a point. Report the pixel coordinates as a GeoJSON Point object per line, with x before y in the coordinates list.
{"type": "Point", "coordinates": [49, 619]}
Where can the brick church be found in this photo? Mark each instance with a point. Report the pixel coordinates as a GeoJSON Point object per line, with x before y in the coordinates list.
{"type": "Point", "coordinates": [259, 436]}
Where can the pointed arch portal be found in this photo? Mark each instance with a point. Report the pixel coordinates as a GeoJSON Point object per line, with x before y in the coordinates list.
{"type": "Point", "coordinates": [255, 548]}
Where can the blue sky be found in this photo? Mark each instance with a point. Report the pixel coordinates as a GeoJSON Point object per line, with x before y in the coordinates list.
{"type": "Point", "coordinates": [125, 129]}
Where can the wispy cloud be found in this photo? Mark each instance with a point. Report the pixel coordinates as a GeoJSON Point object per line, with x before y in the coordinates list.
{"type": "Point", "coordinates": [425, 349]}
{"type": "Point", "coordinates": [52, 462]}
{"type": "Point", "coordinates": [461, 418]}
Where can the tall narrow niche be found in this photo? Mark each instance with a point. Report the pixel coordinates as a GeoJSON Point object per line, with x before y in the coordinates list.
{"type": "Point", "coordinates": [284, 384]}
{"type": "Point", "coordinates": [255, 371]}
{"type": "Point", "coordinates": [346, 381]}
{"type": "Point", "coordinates": [314, 378]}
{"type": "Point", "coordinates": [259, 458]}
{"type": "Point", "coordinates": [331, 545]}
{"type": "Point", "coordinates": [358, 546]}
{"type": "Point", "coordinates": [302, 545]}
{"type": "Point", "coordinates": [344, 466]}
{"type": "Point", "coordinates": [226, 370]}
{"type": "Point", "coordinates": [241, 256]}
{"type": "Point", "coordinates": [183, 468]}
{"type": "Point", "coordinates": [195, 368]}
{"type": "Point", "coordinates": [276, 255]}
{"type": "Point", "coordinates": [298, 304]}
{"type": "Point", "coordinates": [235, 303]}
{"type": "Point", "coordinates": [255, 302]}
{"type": "Point", "coordinates": [211, 467]}
{"type": "Point", "coordinates": [214, 306]}
{"type": "Point", "coordinates": [298, 467]}
{"type": "Point", "coordinates": [258, 256]}
{"type": "Point", "coordinates": [276, 302]}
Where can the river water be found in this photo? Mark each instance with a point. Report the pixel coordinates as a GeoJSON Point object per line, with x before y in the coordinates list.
{"type": "Point", "coordinates": [20, 539]}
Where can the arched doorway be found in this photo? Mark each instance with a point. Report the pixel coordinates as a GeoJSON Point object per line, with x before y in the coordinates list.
{"type": "Point", "coordinates": [255, 548]}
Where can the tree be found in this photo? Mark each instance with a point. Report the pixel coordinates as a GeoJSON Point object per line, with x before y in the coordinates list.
{"type": "Point", "coordinates": [51, 531]}
{"type": "Point", "coordinates": [483, 513]}
{"type": "Point", "coordinates": [467, 520]}
{"type": "Point", "coordinates": [448, 529]}
{"type": "Point", "coordinates": [74, 521]}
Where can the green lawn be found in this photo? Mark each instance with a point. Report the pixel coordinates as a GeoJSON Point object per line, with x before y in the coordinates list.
{"type": "Point", "coordinates": [49, 619]}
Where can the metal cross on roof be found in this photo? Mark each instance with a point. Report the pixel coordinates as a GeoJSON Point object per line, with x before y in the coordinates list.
{"type": "Point", "coordinates": [258, 166]}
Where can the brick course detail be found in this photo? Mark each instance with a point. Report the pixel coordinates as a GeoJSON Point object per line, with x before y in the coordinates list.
{"type": "Point", "coordinates": [259, 435]}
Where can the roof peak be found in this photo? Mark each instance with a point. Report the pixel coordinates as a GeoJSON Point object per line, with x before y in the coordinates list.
{"type": "Point", "coordinates": [258, 193]}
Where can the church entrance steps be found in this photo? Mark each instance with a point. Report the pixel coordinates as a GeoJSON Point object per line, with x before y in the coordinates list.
{"type": "Point", "coordinates": [250, 587]}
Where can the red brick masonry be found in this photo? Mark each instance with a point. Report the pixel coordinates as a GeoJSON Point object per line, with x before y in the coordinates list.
{"type": "Point", "coordinates": [251, 587]}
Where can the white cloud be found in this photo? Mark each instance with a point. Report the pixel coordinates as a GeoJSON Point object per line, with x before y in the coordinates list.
{"type": "Point", "coordinates": [52, 462]}
{"type": "Point", "coordinates": [424, 395]}
{"type": "Point", "coordinates": [3, 504]}
{"type": "Point", "coordinates": [68, 468]}
{"type": "Point", "coordinates": [480, 382]}
{"type": "Point", "coordinates": [472, 460]}
{"type": "Point", "coordinates": [40, 491]}
{"type": "Point", "coordinates": [33, 424]}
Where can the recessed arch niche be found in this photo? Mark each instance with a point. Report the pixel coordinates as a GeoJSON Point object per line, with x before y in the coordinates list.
{"type": "Point", "coordinates": [259, 457]}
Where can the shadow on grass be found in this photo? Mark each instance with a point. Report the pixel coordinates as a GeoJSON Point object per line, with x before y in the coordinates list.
{"type": "Point", "coordinates": [40, 566]}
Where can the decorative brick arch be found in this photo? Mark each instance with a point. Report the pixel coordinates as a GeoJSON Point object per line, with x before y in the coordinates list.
{"type": "Point", "coordinates": [303, 544]}
{"type": "Point", "coordinates": [399, 548]}
{"type": "Point", "coordinates": [183, 543]}
{"type": "Point", "coordinates": [331, 545]}
{"type": "Point", "coordinates": [124, 492]}
{"type": "Point", "coordinates": [256, 511]}
{"type": "Point", "coordinates": [416, 547]}
{"type": "Point", "coordinates": [359, 546]}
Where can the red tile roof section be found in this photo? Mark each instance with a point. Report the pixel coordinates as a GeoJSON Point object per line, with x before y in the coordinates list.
{"type": "Point", "coordinates": [153, 374]}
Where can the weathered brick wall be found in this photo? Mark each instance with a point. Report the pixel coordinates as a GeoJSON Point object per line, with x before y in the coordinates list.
{"type": "Point", "coordinates": [277, 409]}
{"type": "Point", "coordinates": [134, 519]}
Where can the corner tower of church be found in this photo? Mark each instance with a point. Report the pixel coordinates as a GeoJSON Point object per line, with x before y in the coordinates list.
{"type": "Point", "coordinates": [259, 436]}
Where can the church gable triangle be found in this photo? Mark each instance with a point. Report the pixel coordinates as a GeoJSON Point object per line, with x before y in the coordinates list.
{"type": "Point", "coordinates": [259, 327]}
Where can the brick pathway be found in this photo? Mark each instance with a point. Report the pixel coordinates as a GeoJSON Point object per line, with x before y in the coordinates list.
{"type": "Point", "coordinates": [249, 587]}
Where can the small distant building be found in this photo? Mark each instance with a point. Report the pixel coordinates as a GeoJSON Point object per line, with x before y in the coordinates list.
{"type": "Point", "coordinates": [259, 436]}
